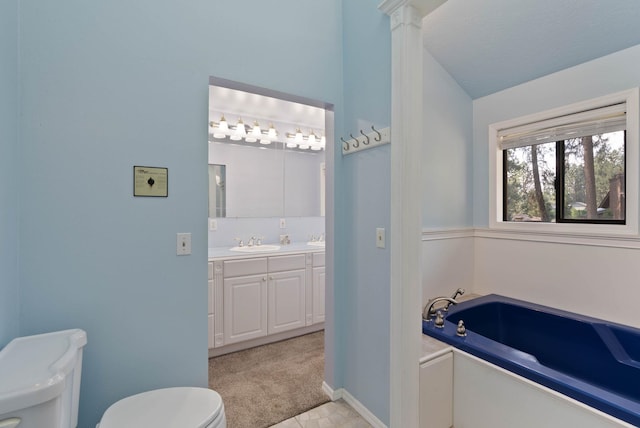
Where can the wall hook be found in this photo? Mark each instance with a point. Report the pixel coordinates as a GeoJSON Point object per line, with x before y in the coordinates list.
{"type": "Point", "coordinates": [345, 148]}
{"type": "Point", "coordinates": [379, 134]}
{"type": "Point", "coordinates": [365, 136]}
{"type": "Point", "coordinates": [357, 143]}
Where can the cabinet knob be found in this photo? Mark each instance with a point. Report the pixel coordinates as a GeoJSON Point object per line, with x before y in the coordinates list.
{"type": "Point", "coordinates": [264, 278]}
{"type": "Point", "coordinates": [270, 278]}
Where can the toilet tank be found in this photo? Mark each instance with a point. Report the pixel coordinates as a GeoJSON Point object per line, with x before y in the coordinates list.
{"type": "Point", "coordinates": [40, 380]}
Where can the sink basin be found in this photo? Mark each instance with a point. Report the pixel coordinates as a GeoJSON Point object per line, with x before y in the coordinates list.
{"type": "Point", "coordinates": [256, 248]}
{"type": "Point", "coordinates": [316, 243]}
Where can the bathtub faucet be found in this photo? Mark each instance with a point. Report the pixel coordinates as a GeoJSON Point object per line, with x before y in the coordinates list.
{"type": "Point", "coordinates": [429, 309]}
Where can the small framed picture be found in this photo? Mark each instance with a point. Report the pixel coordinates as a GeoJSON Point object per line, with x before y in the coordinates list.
{"type": "Point", "coordinates": [150, 181]}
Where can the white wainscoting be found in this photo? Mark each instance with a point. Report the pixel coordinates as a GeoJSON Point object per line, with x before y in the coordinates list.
{"type": "Point", "coordinates": [597, 276]}
{"type": "Point", "coordinates": [447, 262]}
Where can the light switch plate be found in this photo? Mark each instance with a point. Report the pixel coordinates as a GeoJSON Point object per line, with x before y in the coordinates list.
{"type": "Point", "coordinates": [183, 244]}
{"type": "Point", "coordinates": [283, 223]}
{"type": "Point", "coordinates": [213, 224]}
{"type": "Point", "coordinates": [380, 237]}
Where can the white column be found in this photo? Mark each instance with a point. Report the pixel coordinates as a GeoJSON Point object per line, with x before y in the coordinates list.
{"type": "Point", "coordinates": [406, 202]}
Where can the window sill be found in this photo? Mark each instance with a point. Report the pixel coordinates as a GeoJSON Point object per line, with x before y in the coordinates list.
{"type": "Point", "coordinates": [599, 235]}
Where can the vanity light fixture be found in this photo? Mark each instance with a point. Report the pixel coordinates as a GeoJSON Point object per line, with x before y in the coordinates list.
{"type": "Point", "coordinates": [221, 130]}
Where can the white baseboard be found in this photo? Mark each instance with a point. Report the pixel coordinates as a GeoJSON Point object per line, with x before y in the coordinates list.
{"type": "Point", "coordinates": [355, 404]}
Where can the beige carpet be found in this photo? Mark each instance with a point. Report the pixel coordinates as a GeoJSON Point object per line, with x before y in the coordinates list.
{"type": "Point", "coordinates": [268, 384]}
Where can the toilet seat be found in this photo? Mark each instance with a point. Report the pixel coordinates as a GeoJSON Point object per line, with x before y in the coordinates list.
{"type": "Point", "coordinates": [181, 407]}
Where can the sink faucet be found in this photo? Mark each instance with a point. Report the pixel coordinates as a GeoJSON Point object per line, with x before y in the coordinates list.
{"type": "Point", "coordinates": [250, 242]}
{"type": "Point", "coordinates": [429, 309]}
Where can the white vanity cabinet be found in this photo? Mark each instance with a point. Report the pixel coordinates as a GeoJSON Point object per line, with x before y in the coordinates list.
{"type": "Point", "coordinates": [255, 300]}
{"type": "Point", "coordinates": [317, 288]}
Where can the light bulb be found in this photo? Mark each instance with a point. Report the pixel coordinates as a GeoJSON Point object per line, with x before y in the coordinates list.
{"type": "Point", "coordinates": [323, 141]}
{"type": "Point", "coordinates": [250, 139]}
{"type": "Point", "coordinates": [291, 144]}
{"type": "Point", "coordinates": [265, 141]}
{"type": "Point", "coordinates": [298, 138]}
{"type": "Point", "coordinates": [312, 139]}
{"type": "Point", "coordinates": [272, 132]}
{"type": "Point", "coordinates": [223, 126]}
{"type": "Point", "coordinates": [303, 146]}
{"type": "Point", "coordinates": [240, 128]}
{"type": "Point", "coordinates": [256, 131]}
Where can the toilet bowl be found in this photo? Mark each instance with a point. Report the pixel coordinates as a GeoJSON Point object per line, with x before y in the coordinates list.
{"type": "Point", "coordinates": [180, 407]}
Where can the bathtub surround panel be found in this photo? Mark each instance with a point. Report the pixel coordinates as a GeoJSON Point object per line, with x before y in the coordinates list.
{"type": "Point", "coordinates": [9, 200]}
{"type": "Point", "coordinates": [495, 398]}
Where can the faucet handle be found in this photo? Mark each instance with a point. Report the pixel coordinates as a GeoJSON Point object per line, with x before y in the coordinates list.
{"type": "Point", "coordinates": [259, 240]}
{"type": "Point", "coordinates": [240, 243]}
{"type": "Point", "coordinates": [439, 321]}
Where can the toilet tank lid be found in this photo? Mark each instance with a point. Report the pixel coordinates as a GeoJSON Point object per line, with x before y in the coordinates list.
{"type": "Point", "coordinates": [33, 368]}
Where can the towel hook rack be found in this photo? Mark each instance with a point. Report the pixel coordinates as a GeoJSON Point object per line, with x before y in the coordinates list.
{"type": "Point", "coordinates": [345, 147]}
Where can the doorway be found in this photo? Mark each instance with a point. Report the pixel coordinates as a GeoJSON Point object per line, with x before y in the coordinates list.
{"type": "Point", "coordinates": [267, 222]}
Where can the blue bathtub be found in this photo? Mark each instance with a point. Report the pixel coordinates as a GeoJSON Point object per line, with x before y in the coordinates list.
{"type": "Point", "coordinates": [591, 360]}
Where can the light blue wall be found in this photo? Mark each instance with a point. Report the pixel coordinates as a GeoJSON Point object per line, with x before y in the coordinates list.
{"type": "Point", "coordinates": [447, 151]}
{"type": "Point", "coordinates": [106, 86]}
{"type": "Point", "coordinates": [109, 85]}
{"type": "Point", "coordinates": [602, 76]}
{"type": "Point", "coordinates": [8, 171]}
{"type": "Point", "coordinates": [364, 290]}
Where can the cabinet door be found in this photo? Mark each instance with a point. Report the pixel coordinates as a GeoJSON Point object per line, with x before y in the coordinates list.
{"type": "Point", "coordinates": [212, 329]}
{"type": "Point", "coordinates": [436, 392]}
{"type": "Point", "coordinates": [286, 301]}
{"type": "Point", "coordinates": [245, 308]}
{"type": "Point", "coordinates": [318, 294]}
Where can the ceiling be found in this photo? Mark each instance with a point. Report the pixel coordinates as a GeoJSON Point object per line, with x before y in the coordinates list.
{"type": "Point", "coordinates": [490, 45]}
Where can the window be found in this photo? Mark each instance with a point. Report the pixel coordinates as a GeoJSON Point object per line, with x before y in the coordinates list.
{"type": "Point", "coordinates": [570, 168]}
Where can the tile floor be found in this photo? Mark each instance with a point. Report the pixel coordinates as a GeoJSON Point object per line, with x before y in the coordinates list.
{"type": "Point", "coordinates": [332, 414]}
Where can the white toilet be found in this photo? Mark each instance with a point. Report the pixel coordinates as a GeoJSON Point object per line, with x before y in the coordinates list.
{"type": "Point", "coordinates": [180, 407]}
{"type": "Point", "coordinates": [40, 380]}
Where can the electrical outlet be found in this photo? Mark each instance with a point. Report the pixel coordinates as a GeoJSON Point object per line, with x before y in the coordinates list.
{"type": "Point", "coordinates": [213, 224]}
{"type": "Point", "coordinates": [380, 237]}
{"type": "Point", "coordinates": [283, 223]}
{"type": "Point", "coordinates": [183, 244]}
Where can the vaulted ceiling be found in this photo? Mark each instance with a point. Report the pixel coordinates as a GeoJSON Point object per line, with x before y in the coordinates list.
{"type": "Point", "coordinates": [490, 45]}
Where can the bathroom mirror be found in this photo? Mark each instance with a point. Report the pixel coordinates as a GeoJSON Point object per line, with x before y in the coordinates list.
{"type": "Point", "coordinates": [266, 153]}
{"type": "Point", "coordinates": [217, 190]}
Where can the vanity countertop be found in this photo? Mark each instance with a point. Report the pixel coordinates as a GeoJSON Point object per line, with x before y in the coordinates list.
{"type": "Point", "coordinates": [224, 253]}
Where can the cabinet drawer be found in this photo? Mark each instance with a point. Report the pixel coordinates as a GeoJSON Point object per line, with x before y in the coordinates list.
{"type": "Point", "coordinates": [318, 259]}
{"type": "Point", "coordinates": [281, 263]}
{"type": "Point", "coordinates": [210, 271]}
{"type": "Point", "coordinates": [245, 267]}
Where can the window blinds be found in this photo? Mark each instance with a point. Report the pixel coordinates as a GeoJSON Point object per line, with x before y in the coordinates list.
{"type": "Point", "coordinates": [591, 122]}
